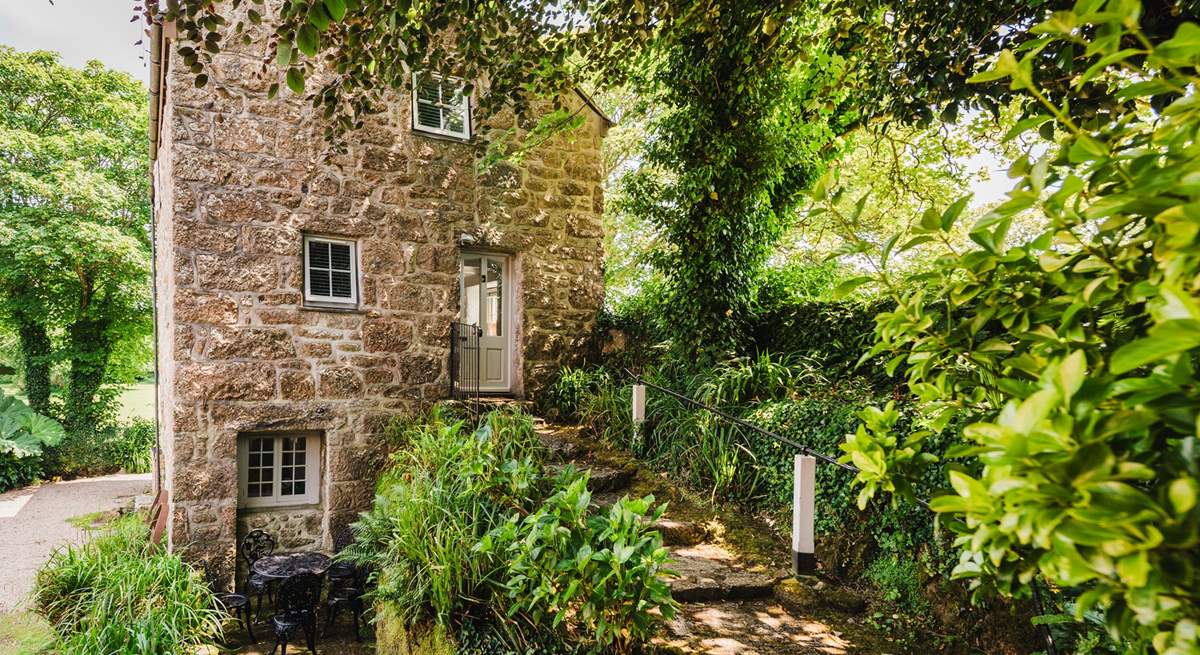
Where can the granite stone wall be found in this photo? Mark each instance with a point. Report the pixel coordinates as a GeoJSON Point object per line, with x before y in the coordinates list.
{"type": "Point", "coordinates": [238, 181]}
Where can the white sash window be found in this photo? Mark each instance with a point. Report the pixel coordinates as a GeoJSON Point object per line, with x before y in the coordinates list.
{"type": "Point", "coordinates": [330, 271]}
{"type": "Point", "coordinates": [279, 469]}
{"type": "Point", "coordinates": [439, 105]}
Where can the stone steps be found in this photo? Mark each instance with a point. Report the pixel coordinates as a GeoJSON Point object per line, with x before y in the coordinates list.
{"type": "Point", "coordinates": [727, 606]}
{"type": "Point", "coordinates": [705, 571]}
{"type": "Point", "coordinates": [709, 572]}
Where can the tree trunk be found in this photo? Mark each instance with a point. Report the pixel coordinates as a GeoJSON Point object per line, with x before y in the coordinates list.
{"type": "Point", "coordinates": [90, 350]}
{"type": "Point", "coordinates": [35, 360]}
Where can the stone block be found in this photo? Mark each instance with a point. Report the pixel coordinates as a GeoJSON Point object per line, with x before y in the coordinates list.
{"type": "Point", "coordinates": [340, 382]}
{"type": "Point", "coordinates": [194, 307]}
{"type": "Point", "coordinates": [258, 343]}
{"type": "Point", "coordinates": [232, 381]}
{"type": "Point", "coordinates": [237, 273]}
{"type": "Point", "coordinates": [387, 336]}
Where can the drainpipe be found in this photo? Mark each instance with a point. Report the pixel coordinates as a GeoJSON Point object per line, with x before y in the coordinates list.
{"type": "Point", "coordinates": [156, 52]}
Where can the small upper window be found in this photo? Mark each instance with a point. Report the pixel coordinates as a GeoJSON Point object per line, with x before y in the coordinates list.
{"type": "Point", "coordinates": [330, 271]}
{"type": "Point", "coordinates": [440, 106]}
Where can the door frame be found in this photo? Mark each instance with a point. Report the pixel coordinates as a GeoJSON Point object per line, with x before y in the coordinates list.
{"type": "Point", "coordinates": [509, 315]}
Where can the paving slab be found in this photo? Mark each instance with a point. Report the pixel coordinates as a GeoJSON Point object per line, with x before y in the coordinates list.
{"type": "Point", "coordinates": [33, 522]}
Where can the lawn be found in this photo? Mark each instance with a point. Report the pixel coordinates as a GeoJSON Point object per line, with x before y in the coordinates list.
{"type": "Point", "coordinates": [24, 634]}
{"type": "Point", "coordinates": [137, 401]}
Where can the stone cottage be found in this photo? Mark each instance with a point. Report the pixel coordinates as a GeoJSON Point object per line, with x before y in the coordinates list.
{"type": "Point", "coordinates": [303, 299]}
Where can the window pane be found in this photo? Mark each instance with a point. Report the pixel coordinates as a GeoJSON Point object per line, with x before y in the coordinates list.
{"type": "Point", "coordinates": [340, 285]}
{"type": "Point", "coordinates": [429, 115]}
{"type": "Point", "coordinates": [495, 298]}
{"type": "Point", "coordinates": [339, 256]}
{"type": "Point", "coordinates": [472, 279]}
{"type": "Point", "coordinates": [454, 121]}
{"type": "Point", "coordinates": [299, 488]}
{"type": "Point", "coordinates": [285, 489]}
{"type": "Point", "coordinates": [318, 254]}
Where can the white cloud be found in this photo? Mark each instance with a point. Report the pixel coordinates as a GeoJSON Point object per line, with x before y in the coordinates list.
{"type": "Point", "coordinates": [80, 30]}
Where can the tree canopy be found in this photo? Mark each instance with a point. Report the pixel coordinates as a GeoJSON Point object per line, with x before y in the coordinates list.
{"type": "Point", "coordinates": [74, 217]}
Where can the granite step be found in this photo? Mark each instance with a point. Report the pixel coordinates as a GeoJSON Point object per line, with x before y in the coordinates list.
{"type": "Point", "coordinates": [679, 533]}
{"type": "Point", "coordinates": [603, 478]}
{"type": "Point", "coordinates": [710, 572]}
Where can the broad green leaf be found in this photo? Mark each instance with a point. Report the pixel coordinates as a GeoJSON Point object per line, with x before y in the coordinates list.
{"type": "Point", "coordinates": [295, 80]}
{"type": "Point", "coordinates": [308, 40]}
{"type": "Point", "coordinates": [1167, 339]}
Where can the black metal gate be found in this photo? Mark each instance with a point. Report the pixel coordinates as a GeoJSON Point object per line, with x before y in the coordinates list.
{"type": "Point", "coordinates": [464, 364]}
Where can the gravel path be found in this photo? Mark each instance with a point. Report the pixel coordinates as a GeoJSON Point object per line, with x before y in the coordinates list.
{"type": "Point", "coordinates": [33, 521]}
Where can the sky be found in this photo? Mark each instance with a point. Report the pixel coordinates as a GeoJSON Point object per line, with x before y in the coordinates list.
{"type": "Point", "coordinates": [80, 30]}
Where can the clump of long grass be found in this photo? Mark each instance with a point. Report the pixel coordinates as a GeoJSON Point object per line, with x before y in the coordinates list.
{"type": "Point", "coordinates": [120, 593]}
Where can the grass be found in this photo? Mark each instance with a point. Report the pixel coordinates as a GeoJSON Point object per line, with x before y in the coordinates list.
{"type": "Point", "coordinates": [118, 593]}
{"type": "Point", "coordinates": [22, 633]}
{"type": "Point", "coordinates": [137, 401]}
{"type": "Point", "coordinates": [93, 520]}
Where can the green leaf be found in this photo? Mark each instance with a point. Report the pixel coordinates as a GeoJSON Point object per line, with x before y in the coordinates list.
{"type": "Point", "coordinates": [1182, 494]}
{"type": "Point", "coordinates": [283, 54]}
{"type": "Point", "coordinates": [848, 286]}
{"type": "Point", "coordinates": [1166, 339]}
{"type": "Point", "coordinates": [295, 80]}
{"type": "Point", "coordinates": [308, 40]}
{"type": "Point", "coordinates": [336, 8]}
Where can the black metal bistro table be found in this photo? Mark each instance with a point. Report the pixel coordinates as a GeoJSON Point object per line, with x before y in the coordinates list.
{"type": "Point", "coordinates": [281, 567]}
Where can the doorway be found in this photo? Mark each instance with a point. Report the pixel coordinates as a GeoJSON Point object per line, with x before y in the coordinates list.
{"type": "Point", "coordinates": [485, 287]}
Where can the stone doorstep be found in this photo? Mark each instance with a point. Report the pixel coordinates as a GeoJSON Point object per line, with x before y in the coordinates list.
{"type": "Point", "coordinates": [709, 572]}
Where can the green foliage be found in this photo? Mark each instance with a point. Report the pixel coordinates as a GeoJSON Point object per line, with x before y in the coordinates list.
{"type": "Point", "coordinates": [128, 447]}
{"type": "Point", "coordinates": [602, 572]}
{"type": "Point", "coordinates": [1069, 357]}
{"type": "Point", "coordinates": [457, 511]}
{"type": "Point", "coordinates": [74, 245]}
{"type": "Point", "coordinates": [563, 398]}
{"type": "Point", "coordinates": [915, 59]}
{"type": "Point", "coordinates": [23, 435]}
{"type": "Point", "coordinates": [24, 432]}
{"type": "Point", "coordinates": [119, 593]}
{"type": "Point", "coordinates": [899, 581]}
{"type": "Point", "coordinates": [18, 471]}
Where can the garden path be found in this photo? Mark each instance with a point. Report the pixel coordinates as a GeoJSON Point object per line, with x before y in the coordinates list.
{"type": "Point", "coordinates": [34, 521]}
{"type": "Point", "coordinates": [732, 581]}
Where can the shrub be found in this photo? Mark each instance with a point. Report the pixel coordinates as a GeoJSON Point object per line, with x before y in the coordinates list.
{"type": "Point", "coordinates": [24, 434]}
{"type": "Point", "coordinates": [119, 593]}
{"type": "Point", "coordinates": [128, 447]}
{"type": "Point", "coordinates": [433, 536]}
{"type": "Point", "coordinates": [600, 571]}
{"type": "Point", "coordinates": [564, 397]}
{"type": "Point", "coordinates": [18, 471]}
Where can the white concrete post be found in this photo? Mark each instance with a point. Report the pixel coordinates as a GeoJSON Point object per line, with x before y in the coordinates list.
{"type": "Point", "coordinates": [639, 404]}
{"type": "Point", "coordinates": [804, 492]}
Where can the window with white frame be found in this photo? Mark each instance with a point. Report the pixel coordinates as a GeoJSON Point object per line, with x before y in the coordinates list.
{"type": "Point", "coordinates": [330, 271]}
{"type": "Point", "coordinates": [440, 106]}
{"type": "Point", "coordinates": [279, 469]}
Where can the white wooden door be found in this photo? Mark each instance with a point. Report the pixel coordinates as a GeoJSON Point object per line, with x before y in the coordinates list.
{"type": "Point", "coordinates": [486, 302]}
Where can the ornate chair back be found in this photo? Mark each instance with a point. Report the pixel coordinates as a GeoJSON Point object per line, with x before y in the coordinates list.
{"type": "Point", "coordinates": [257, 545]}
{"type": "Point", "coordinates": [300, 594]}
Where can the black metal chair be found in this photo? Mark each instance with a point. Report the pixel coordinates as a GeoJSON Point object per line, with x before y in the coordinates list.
{"type": "Point", "coordinates": [346, 593]}
{"type": "Point", "coordinates": [255, 546]}
{"type": "Point", "coordinates": [341, 572]}
{"type": "Point", "coordinates": [234, 605]}
{"type": "Point", "coordinates": [297, 609]}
